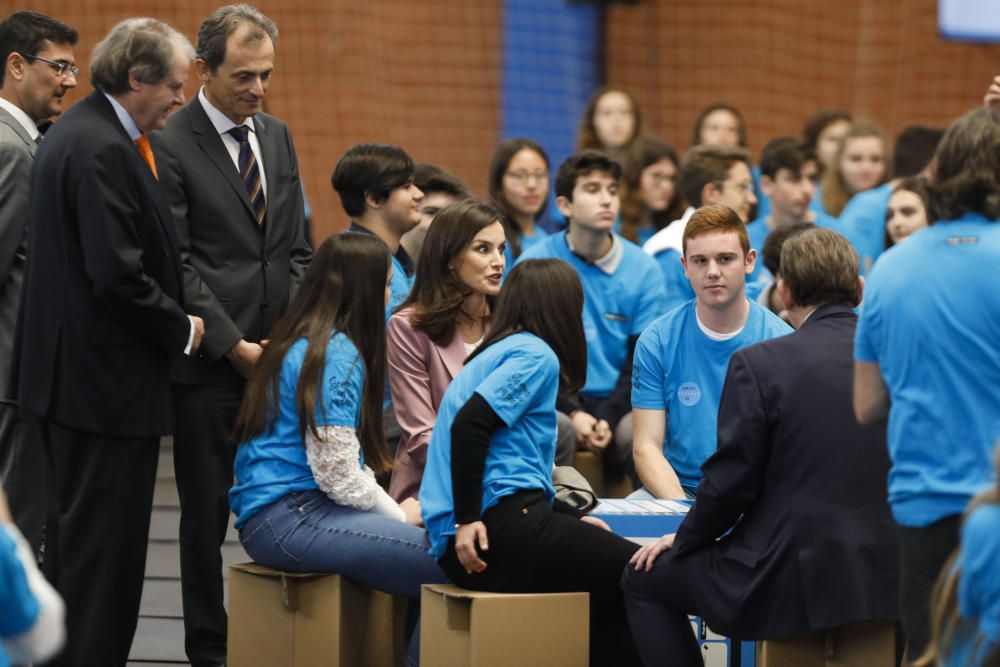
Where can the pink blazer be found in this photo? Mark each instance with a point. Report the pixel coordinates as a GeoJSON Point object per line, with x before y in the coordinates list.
{"type": "Point", "coordinates": [419, 372]}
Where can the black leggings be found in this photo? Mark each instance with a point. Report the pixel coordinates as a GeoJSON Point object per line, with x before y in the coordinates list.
{"type": "Point", "coordinates": [535, 550]}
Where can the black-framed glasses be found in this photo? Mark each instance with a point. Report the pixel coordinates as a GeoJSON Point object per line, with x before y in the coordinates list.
{"type": "Point", "coordinates": [61, 67]}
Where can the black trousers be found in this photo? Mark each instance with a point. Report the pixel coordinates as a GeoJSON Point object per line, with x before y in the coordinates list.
{"type": "Point", "coordinates": [24, 472]}
{"type": "Point", "coordinates": [535, 550]}
{"type": "Point", "coordinates": [203, 465]}
{"type": "Point", "coordinates": [923, 553]}
{"type": "Point", "coordinates": [658, 604]}
{"type": "Point", "coordinates": [101, 495]}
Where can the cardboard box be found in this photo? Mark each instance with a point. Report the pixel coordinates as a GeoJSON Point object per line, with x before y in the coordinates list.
{"type": "Point", "coordinates": [462, 628]}
{"type": "Point", "coordinates": [866, 644]}
{"type": "Point", "coordinates": [642, 520]}
{"type": "Point", "coordinates": [604, 482]}
{"type": "Point", "coordinates": [284, 619]}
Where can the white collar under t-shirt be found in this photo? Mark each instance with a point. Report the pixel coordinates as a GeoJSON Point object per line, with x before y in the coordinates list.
{"type": "Point", "coordinates": [222, 125]}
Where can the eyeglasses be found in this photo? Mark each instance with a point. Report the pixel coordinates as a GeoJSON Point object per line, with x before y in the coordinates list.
{"type": "Point", "coordinates": [522, 177]}
{"type": "Point", "coordinates": [61, 68]}
{"type": "Point", "coordinates": [741, 187]}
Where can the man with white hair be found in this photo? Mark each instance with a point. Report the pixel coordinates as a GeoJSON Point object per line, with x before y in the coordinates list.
{"type": "Point", "coordinates": [102, 312]}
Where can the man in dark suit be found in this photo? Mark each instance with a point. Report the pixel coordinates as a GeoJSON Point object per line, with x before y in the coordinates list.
{"type": "Point", "coordinates": [102, 313]}
{"type": "Point", "coordinates": [231, 175]}
{"type": "Point", "coordinates": [790, 531]}
{"type": "Point", "coordinates": [37, 68]}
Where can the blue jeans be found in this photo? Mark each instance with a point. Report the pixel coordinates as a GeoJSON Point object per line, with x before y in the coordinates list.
{"type": "Point", "coordinates": [307, 532]}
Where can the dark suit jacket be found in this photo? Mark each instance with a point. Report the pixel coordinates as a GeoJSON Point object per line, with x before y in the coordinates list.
{"type": "Point", "coordinates": [102, 295]}
{"type": "Point", "coordinates": [17, 150]}
{"type": "Point", "coordinates": [816, 545]}
{"type": "Point", "coordinates": [238, 275]}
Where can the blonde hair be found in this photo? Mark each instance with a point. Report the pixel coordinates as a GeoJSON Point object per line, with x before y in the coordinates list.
{"type": "Point", "coordinates": [835, 194]}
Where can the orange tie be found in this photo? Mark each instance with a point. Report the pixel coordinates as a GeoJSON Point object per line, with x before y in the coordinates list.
{"type": "Point", "coordinates": [142, 143]}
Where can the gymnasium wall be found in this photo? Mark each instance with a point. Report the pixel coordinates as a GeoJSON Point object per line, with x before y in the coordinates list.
{"type": "Point", "coordinates": [779, 60]}
{"type": "Point", "coordinates": [430, 76]}
{"type": "Point", "coordinates": [421, 75]}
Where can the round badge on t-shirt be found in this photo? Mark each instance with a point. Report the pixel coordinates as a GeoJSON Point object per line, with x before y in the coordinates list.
{"type": "Point", "coordinates": [689, 394]}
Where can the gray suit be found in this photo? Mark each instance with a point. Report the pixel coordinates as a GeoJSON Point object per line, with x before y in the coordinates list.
{"type": "Point", "coordinates": [17, 151]}
{"type": "Point", "coordinates": [239, 276]}
{"type": "Point", "coordinates": [23, 467]}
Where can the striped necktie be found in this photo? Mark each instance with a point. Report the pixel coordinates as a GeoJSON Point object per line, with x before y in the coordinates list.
{"type": "Point", "coordinates": [146, 151]}
{"type": "Point", "coordinates": [250, 172]}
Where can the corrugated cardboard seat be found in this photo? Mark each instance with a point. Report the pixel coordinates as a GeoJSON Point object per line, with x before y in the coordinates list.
{"type": "Point", "coordinates": [310, 620]}
{"type": "Point", "coordinates": [463, 628]}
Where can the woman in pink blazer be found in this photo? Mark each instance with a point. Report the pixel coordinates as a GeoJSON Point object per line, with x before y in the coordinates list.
{"type": "Point", "coordinates": [459, 274]}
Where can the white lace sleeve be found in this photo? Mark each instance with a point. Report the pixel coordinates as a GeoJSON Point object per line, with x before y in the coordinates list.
{"type": "Point", "coordinates": [333, 458]}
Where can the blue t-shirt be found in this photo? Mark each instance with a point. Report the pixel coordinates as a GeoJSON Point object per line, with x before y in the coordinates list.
{"type": "Point", "coordinates": [18, 605]}
{"type": "Point", "coordinates": [978, 588]}
{"type": "Point", "coordinates": [519, 377]}
{"type": "Point", "coordinates": [863, 223]}
{"type": "Point", "coordinates": [681, 370]}
{"type": "Point", "coordinates": [400, 285]}
{"type": "Point", "coordinates": [816, 203]}
{"type": "Point", "coordinates": [758, 231]}
{"type": "Point", "coordinates": [763, 201]}
{"type": "Point", "coordinates": [615, 306]}
{"type": "Point", "coordinates": [676, 284]}
{"type": "Point", "coordinates": [526, 242]}
{"type": "Point", "coordinates": [931, 320]}
{"type": "Point", "coordinates": [274, 464]}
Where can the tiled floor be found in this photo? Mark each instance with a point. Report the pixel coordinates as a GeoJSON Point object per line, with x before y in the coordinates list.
{"type": "Point", "coordinates": [159, 638]}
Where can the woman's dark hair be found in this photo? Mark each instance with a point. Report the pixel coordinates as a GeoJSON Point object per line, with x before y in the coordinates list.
{"type": "Point", "coordinates": [818, 122]}
{"type": "Point", "coordinates": [967, 175]}
{"type": "Point", "coordinates": [918, 186]}
{"type": "Point", "coordinates": [438, 292]}
{"type": "Point", "coordinates": [544, 297]}
{"type": "Point", "coordinates": [343, 291]}
{"type": "Point", "coordinates": [653, 151]}
{"type": "Point", "coordinates": [504, 153]}
{"type": "Point", "coordinates": [719, 106]}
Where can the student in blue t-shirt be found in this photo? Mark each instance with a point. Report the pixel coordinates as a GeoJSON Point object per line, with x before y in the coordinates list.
{"type": "Point", "coordinates": [311, 434]}
{"type": "Point", "coordinates": [708, 175]}
{"type": "Point", "coordinates": [622, 293]}
{"type": "Point", "coordinates": [863, 218]}
{"type": "Point", "coordinates": [487, 495]}
{"type": "Point", "coordinates": [927, 344]}
{"type": "Point", "coordinates": [519, 182]}
{"type": "Point", "coordinates": [681, 360]}
{"type": "Point", "coordinates": [375, 184]}
{"type": "Point", "coordinates": [788, 174]}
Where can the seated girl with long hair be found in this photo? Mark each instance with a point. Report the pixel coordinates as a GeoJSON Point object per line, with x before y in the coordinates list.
{"type": "Point", "coordinates": [612, 123]}
{"type": "Point", "coordinates": [862, 163]}
{"type": "Point", "coordinates": [310, 431]}
{"type": "Point", "coordinates": [661, 201]}
{"type": "Point", "coordinates": [487, 494]}
{"type": "Point", "coordinates": [519, 183]}
{"type": "Point", "coordinates": [441, 322]}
